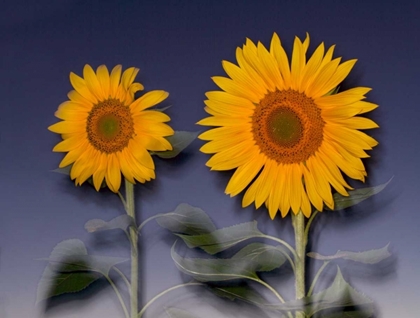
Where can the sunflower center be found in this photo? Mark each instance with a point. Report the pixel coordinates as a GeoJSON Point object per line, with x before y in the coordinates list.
{"type": "Point", "coordinates": [287, 126]}
{"type": "Point", "coordinates": [109, 126]}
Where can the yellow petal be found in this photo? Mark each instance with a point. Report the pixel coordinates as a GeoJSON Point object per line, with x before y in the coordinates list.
{"type": "Point", "coordinates": [240, 76]}
{"type": "Point", "coordinates": [295, 187]}
{"type": "Point", "coordinates": [265, 182]}
{"type": "Point", "coordinates": [347, 97]}
{"type": "Point", "coordinates": [128, 77]}
{"type": "Point", "coordinates": [154, 143]}
{"type": "Point", "coordinates": [311, 68]}
{"type": "Point", "coordinates": [125, 167]}
{"type": "Point", "coordinates": [104, 80]}
{"type": "Point", "coordinates": [280, 55]}
{"type": "Point", "coordinates": [80, 86]}
{"type": "Point", "coordinates": [99, 174]}
{"type": "Point", "coordinates": [115, 81]}
{"type": "Point", "coordinates": [224, 132]}
{"type": "Point", "coordinates": [224, 121]}
{"type": "Point", "coordinates": [92, 83]}
{"type": "Point", "coordinates": [70, 143]}
{"type": "Point", "coordinates": [140, 153]}
{"type": "Point", "coordinates": [221, 144]}
{"type": "Point", "coordinates": [244, 175]}
{"type": "Point", "coordinates": [310, 186]}
{"type": "Point", "coordinates": [271, 68]}
{"type": "Point", "coordinates": [249, 69]}
{"type": "Point", "coordinates": [68, 127]}
{"type": "Point", "coordinates": [148, 100]}
{"type": "Point", "coordinates": [340, 74]}
{"type": "Point", "coordinates": [316, 89]}
{"type": "Point", "coordinates": [113, 173]}
{"type": "Point", "coordinates": [298, 63]}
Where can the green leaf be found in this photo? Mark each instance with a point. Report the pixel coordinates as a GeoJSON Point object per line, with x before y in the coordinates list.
{"type": "Point", "coordinates": [356, 196]}
{"type": "Point", "coordinates": [54, 283]}
{"type": "Point", "coordinates": [222, 239]}
{"type": "Point", "coordinates": [179, 141]}
{"type": "Point", "coordinates": [186, 219]}
{"type": "Point", "coordinates": [120, 222]}
{"type": "Point", "coordinates": [366, 257]}
{"type": "Point", "coordinates": [173, 312]}
{"type": "Point", "coordinates": [267, 257]}
{"type": "Point", "coordinates": [71, 269]}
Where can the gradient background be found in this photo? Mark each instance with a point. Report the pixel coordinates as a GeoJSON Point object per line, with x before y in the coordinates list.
{"type": "Point", "coordinates": [179, 45]}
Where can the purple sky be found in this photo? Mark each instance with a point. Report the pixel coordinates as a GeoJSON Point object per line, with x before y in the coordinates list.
{"type": "Point", "coordinates": [178, 46]}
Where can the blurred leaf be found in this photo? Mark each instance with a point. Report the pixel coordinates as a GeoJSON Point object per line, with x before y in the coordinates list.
{"type": "Point", "coordinates": [53, 283]}
{"type": "Point", "coordinates": [213, 270]}
{"type": "Point", "coordinates": [224, 238]}
{"type": "Point", "coordinates": [356, 196]}
{"type": "Point", "coordinates": [71, 256]}
{"type": "Point", "coordinates": [65, 170]}
{"type": "Point", "coordinates": [120, 222]}
{"type": "Point", "coordinates": [71, 269]}
{"type": "Point", "coordinates": [244, 293]}
{"type": "Point", "coordinates": [367, 257]}
{"type": "Point", "coordinates": [186, 219]}
{"type": "Point", "coordinates": [267, 257]}
{"type": "Point", "coordinates": [339, 295]}
{"type": "Point", "coordinates": [179, 141]}
{"type": "Point", "coordinates": [243, 265]}
{"type": "Point", "coordinates": [363, 313]}
{"type": "Point", "coordinates": [173, 312]}
{"type": "Point", "coordinates": [161, 109]}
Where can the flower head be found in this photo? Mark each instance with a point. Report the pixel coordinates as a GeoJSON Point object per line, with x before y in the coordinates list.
{"type": "Point", "coordinates": [283, 131]}
{"type": "Point", "coordinates": [106, 132]}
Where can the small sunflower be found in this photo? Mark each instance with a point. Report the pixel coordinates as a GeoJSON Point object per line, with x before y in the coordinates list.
{"type": "Point", "coordinates": [106, 132]}
{"type": "Point", "coordinates": [283, 131]}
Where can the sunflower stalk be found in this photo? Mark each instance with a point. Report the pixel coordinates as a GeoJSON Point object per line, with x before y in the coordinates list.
{"type": "Point", "coordinates": [298, 222]}
{"type": "Point", "coordinates": [129, 194]}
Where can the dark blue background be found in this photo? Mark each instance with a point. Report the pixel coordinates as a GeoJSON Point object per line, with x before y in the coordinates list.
{"type": "Point", "coordinates": [178, 46]}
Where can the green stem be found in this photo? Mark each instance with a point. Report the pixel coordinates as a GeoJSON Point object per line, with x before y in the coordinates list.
{"type": "Point", "coordinates": [129, 194]}
{"type": "Point", "coordinates": [311, 289]}
{"type": "Point", "coordinates": [298, 222]}
{"type": "Point", "coordinates": [119, 296]}
{"type": "Point", "coordinates": [140, 314]}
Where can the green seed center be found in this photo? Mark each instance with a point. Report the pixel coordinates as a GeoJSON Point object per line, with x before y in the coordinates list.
{"type": "Point", "coordinates": [109, 126]}
{"type": "Point", "coordinates": [285, 127]}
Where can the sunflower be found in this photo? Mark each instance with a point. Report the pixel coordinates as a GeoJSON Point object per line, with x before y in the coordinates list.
{"type": "Point", "coordinates": [283, 130]}
{"type": "Point", "coordinates": [106, 132]}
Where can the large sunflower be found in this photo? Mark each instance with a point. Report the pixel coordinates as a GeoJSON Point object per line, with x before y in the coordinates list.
{"type": "Point", "coordinates": [283, 130]}
{"type": "Point", "coordinates": [106, 132]}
